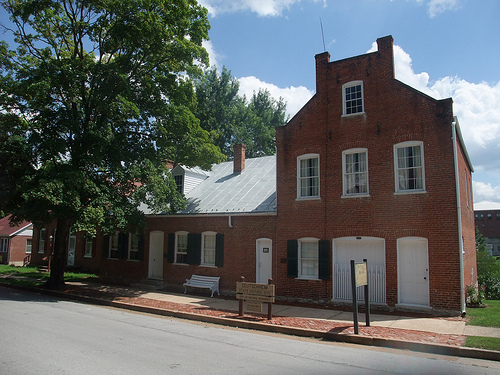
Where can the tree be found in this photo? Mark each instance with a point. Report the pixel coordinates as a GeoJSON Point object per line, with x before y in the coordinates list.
{"type": "Point", "coordinates": [231, 119]}
{"type": "Point", "coordinates": [488, 269]}
{"type": "Point", "coordinates": [95, 99]}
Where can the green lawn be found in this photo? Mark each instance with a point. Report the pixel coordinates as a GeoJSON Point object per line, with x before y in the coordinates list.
{"type": "Point", "coordinates": [485, 316]}
{"type": "Point", "coordinates": [31, 276]}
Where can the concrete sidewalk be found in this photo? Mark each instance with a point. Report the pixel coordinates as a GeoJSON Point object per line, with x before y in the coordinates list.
{"type": "Point", "coordinates": [439, 325]}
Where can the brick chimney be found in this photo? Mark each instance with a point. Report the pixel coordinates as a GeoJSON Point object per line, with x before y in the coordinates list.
{"type": "Point", "coordinates": [239, 158]}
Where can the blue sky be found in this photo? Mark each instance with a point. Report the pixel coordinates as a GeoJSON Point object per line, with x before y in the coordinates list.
{"type": "Point", "coordinates": [445, 48]}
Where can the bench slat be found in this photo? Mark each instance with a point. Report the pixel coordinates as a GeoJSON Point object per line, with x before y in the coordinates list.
{"type": "Point", "coordinates": [208, 282]}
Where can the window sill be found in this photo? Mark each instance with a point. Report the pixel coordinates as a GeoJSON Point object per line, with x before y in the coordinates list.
{"type": "Point", "coordinates": [410, 192]}
{"type": "Point", "coordinates": [133, 260]}
{"type": "Point", "coordinates": [353, 114]}
{"type": "Point", "coordinates": [208, 265]}
{"type": "Point", "coordinates": [180, 264]}
{"type": "Point", "coordinates": [307, 278]}
{"type": "Point", "coordinates": [356, 196]}
{"type": "Point", "coordinates": [88, 256]}
{"type": "Point", "coordinates": [301, 199]}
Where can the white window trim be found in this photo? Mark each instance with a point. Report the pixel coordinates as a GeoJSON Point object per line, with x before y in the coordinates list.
{"type": "Point", "coordinates": [202, 263]}
{"type": "Point", "coordinates": [41, 249]}
{"type": "Point", "coordinates": [299, 259]}
{"type": "Point", "coordinates": [85, 254]}
{"type": "Point", "coordinates": [29, 246]}
{"type": "Point", "coordinates": [111, 243]}
{"type": "Point", "coordinates": [344, 183]}
{"type": "Point", "coordinates": [4, 245]}
{"type": "Point", "coordinates": [344, 108]}
{"type": "Point", "coordinates": [299, 159]}
{"type": "Point", "coordinates": [177, 234]}
{"type": "Point", "coordinates": [396, 181]}
{"type": "Point", "coordinates": [129, 247]}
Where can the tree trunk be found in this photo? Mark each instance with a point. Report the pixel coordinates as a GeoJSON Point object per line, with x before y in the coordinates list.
{"type": "Point", "coordinates": [59, 254]}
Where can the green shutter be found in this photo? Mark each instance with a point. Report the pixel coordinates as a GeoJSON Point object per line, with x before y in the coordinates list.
{"type": "Point", "coordinates": [171, 248]}
{"type": "Point", "coordinates": [292, 258]}
{"type": "Point", "coordinates": [324, 260]}
{"type": "Point", "coordinates": [122, 245]}
{"type": "Point", "coordinates": [140, 253]}
{"type": "Point", "coordinates": [219, 249]}
{"type": "Point", "coordinates": [105, 248]}
{"type": "Point", "coordinates": [194, 248]}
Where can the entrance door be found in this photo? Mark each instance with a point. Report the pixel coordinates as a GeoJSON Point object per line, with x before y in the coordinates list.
{"type": "Point", "coordinates": [264, 266]}
{"type": "Point", "coordinates": [156, 255]}
{"type": "Point", "coordinates": [413, 271]}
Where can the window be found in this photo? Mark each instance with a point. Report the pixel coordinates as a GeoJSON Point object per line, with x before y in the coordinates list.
{"type": "Point", "coordinates": [352, 93]}
{"type": "Point", "coordinates": [355, 168]}
{"type": "Point", "coordinates": [409, 167]}
{"type": "Point", "coordinates": [181, 243]}
{"type": "Point", "coordinates": [41, 244]}
{"type": "Point", "coordinates": [498, 216]}
{"type": "Point", "coordinates": [308, 176]}
{"type": "Point", "coordinates": [88, 247]}
{"type": "Point", "coordinates": [29, 245]}
{"type": "Point", "coordinates": [208, 249]}
{"type": "Point", "coordinates": [133, 246]}
{"type": "Point", "coordinates": [4, 245]}
{"type": "Point", "coordinates": [179, 182]}
{"type": "Point", "coordinates": [113, 246]}
{"type": "Point", "coordinates": [308, 259]}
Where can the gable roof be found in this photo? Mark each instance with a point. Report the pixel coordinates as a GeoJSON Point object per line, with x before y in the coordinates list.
{"type": "Point", "coordinates": [7, 230]}
{"type": "Point", "coordinates": [226, 192]}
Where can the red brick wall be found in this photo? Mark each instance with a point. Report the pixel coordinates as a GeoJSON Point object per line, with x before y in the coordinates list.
{"type": "Point", "coordinates": [393, 113]}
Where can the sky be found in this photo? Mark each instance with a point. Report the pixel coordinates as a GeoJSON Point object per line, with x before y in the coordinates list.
{"type": "Point", "coordinates": [444, 48]}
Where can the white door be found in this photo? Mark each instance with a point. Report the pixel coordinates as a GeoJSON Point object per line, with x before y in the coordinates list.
{"type": "Point", "coordinates": [264, 266]}
{"type": "Point", "coordinates": [71, 249]}
{"type": "Point", "coordinates": [156, 255]}
{"type": "Point", "coordinates": [413, 271]}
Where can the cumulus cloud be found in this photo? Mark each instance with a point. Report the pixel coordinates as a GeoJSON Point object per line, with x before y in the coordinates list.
{"type": "Point", "coordinates": [269, 8]}
{"type": "Point", "coordinates": [436, 7]}
{"type": "Point", "coordinates": [212, 54]}
{"type": "Point", "coordinates": [294, 97]}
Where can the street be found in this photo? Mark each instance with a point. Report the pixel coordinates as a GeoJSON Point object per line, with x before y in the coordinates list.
{"type": "Point", "coordinates": [44, 335]}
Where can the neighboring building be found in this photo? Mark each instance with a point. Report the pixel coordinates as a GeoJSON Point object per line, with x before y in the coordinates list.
{"type": "Point", "coordinates": [488, 224]}
{"type": "Point", "coordinates": [15, 242]}
{"type": "Point", "coordinates": [369, 168]}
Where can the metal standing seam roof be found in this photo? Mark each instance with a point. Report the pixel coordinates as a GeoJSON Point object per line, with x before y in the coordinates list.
{"type": "Point", "coordinates": [223, 192]}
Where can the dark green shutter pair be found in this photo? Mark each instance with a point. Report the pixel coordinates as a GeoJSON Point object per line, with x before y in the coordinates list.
{"type": "Point", "coordinates": [194, 249]}
{"type": "Point", "coordinates": [123, 246]}
{"type": "Point", "coordinates": [323, 259]}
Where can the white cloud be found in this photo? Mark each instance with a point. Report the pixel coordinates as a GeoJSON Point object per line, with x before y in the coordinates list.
{"type": "Point", "coordinates": [269, 8]}
{"type": "Point", "coordinates": [294, 97]}
{"type": "Point", "coordinates": [212, 54]}
{"type": "Point", "coordinates": [488, 196]}
{"type": "Point", "coordinates": [436, 7]}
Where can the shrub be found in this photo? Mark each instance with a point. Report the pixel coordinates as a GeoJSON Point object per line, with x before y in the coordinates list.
{"type": "Point", "coordinates": [475, 296]}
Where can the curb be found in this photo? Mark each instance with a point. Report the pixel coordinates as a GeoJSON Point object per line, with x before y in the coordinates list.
{"type": "Point", "coordinates": [293, 331]}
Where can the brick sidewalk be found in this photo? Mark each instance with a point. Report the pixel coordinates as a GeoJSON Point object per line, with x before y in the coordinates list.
{"type": "Point", "coordinates": [293, 322]}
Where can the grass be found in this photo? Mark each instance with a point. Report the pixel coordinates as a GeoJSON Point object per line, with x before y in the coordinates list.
{"type": "Point", "coordinates": [485, 316]}
{"type": "Point", "coordinates": [31, 276]}
{"type": "Point", "coordinates": [488, 343]}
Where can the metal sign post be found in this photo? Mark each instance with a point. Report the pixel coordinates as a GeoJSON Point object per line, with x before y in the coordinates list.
{"type": "Point", "coordinates": [359, 277]}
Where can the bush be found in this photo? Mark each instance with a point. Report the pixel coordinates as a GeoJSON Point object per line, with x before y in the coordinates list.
{"type": "Point", "coordinates": [475, 296]}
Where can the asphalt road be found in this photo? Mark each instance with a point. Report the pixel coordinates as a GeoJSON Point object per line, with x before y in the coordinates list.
{"type": "Point", "coordinates": [43, 335]}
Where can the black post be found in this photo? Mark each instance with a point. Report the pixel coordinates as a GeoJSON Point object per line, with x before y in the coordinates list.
{"type": "Point", "coordinates": [242, 302]}
{"type": "Point", "coordinates": [354, 299]}
{"type": "Point", "coordinates": [270, 304]}
{"type": "Point", "coordinates": [367, 299]}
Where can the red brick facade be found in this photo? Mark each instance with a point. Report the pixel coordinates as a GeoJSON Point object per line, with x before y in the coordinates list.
{"type": "Point", "coordinates": [430, 219]}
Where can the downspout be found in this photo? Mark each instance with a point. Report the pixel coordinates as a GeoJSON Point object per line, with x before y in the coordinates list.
{"type": "Point", "coordinates": [459, 213]}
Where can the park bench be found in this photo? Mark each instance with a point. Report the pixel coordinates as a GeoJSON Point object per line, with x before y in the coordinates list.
{"type": "Point", "coordinates": [207, 282]}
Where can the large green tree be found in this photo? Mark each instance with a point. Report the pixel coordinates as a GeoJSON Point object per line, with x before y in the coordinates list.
{"type": "Point", "coordinates": [94, 99]}
{"type": "Point", "coordinates": [232, 118]}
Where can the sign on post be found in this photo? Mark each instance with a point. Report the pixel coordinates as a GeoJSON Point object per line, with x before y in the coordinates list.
{"type": "Point", "coordinates": [254, 295]}
{"type": "Point", "coordinates": [359, 277]}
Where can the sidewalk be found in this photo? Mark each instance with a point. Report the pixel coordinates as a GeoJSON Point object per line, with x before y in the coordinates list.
{"type": "Point", "coordinates": [432, 335]}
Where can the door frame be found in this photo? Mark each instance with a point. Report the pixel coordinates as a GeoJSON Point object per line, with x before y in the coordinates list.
{"type": "Point", "coordinates": [261, 243]}
{"type": "Point", "coordinates": [153, 256]}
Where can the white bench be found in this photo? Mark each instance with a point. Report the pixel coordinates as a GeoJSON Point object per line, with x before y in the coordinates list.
{"type": "Point", "coordinates": [207, 282]}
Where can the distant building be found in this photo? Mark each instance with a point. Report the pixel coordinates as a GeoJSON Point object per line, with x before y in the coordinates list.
{"type": "Point", "coordinates": [15, 242]}
{"type": "Point", "coordinates": [488, 224]}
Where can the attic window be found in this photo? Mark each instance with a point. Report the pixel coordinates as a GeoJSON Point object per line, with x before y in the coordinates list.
{"type": "Point", "coordinates": [179, 182]}
{"type": "Point", "coordinates": [352, 98]}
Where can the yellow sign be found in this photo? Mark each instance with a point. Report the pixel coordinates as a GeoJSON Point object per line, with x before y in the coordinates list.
{"type": "Point", "coordinates": [254, 306]}
{"type": "Point", "coordinates": [255, 289]}
{"type": "Point", "coordinates": [361, 274]}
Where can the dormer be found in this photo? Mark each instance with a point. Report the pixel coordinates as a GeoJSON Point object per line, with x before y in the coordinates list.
{"type": "Point", "coordinates": [187, 179]}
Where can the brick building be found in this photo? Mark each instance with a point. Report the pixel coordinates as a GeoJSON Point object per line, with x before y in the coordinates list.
{"type": "Point", "coordinates": [488, 224]}
{"type": "Point", "coordinates": [369, 168]}
{"type": "Point", "coordinates": [15, 242]}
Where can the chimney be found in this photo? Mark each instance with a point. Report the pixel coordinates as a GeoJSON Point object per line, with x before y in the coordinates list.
{"type": "Point", "coordinates": [239, 158]}
{"type": "Point", "coordinates": [386, 51]}
{"type": "Point", "coordinates": [322, 61]}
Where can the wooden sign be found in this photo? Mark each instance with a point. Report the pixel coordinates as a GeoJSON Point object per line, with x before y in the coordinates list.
{"type": "Point", "coordinates": [254, 306]}
{"type": "Point", "coordinates": [255, 289]}
{"type": "Point", "coordinates": [249, 297]}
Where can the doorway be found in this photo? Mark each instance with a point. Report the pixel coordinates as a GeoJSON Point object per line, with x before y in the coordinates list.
{"type": "Point", "coordinates": [156, 240]}
{"type": "Point", "coordinates": [264, 264]}
{"type": "Point", "coordinates": [413, 271]}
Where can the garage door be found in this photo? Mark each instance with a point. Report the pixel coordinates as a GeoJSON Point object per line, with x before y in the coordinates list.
{"type": "Point", "coordinates": [358, 248]}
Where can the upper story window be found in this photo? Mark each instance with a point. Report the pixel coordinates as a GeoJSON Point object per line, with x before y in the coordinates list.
{"type": "Point", "coordinates": [308, 258]}
{"type": "Point", "coordinates": [352, 98]}
{"type": "Point", "coordinates": [179, 182]}
{"type": "Point", "coordinates": [355, 171]}
{"type": "Point", "coordinates": [409, 167]}
{"type": "Point", "coordinates": [308, 176]}
{"type": "Point", "coordinates": [181, 245]}
{"type": "Point", "coordinates": [208, 249]}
